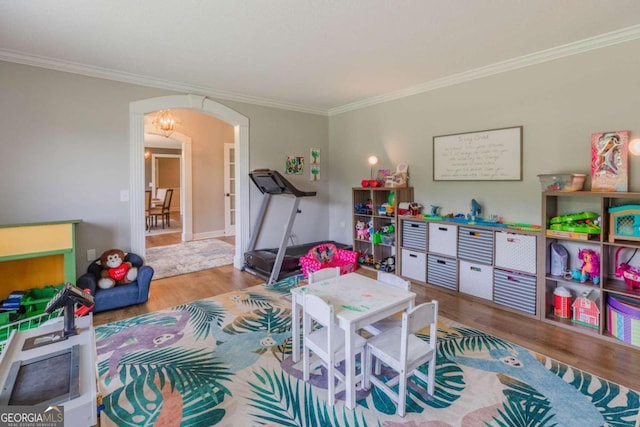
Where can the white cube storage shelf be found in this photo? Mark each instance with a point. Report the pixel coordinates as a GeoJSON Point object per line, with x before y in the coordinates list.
{"type": "Point", "coordinates": [515, 290]}
{"type": "Point", "coordinates": [485, 262]}
{"type": "Point", "coordinates": [442, 271]}
{"type": "Point", "coordinates": [476, 279]}
{"type": "Point", "coordinates": [414, 265]}
{"type": "Point", "coordinates": [443, 239]}
{"type": "Point", "coordinates": [414, 235]}
{"type": "Point", "coordinates": [516, 252]}
{"type": "Point", "coordinates": [475, 245]}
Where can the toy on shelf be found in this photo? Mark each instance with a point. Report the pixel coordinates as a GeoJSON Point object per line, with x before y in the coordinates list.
{"type": "Point", "coordinates": [409, 208]}
{"type": "Point", "coordinates": [590, 269]}
{"type": "Point", "coordinates": [386, 235]}
{"type": "Point", "coordinates": [476, 209]}
{"type": "Point", "coordinates": [581, 222]}
{"type": "Point", "coordinates": [364, 208]}
{"type": "Point", "coordinates": [398, 179]}
{"type": "Point", "coordinates": [630, 275]}
{"type": "Point", "coordinates": [371, 183]}
{"type": "Point", "coordinates": [585, 309]}
{"type": "Point", "coordinates": [362, 231]}
{"type": "Point", "coordinates": [624, 223]}
{"type": "Point", "coordinates": [389, 264]}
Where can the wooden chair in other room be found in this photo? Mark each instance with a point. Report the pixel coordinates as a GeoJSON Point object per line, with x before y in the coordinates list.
{"type": "Point", "coordinates": [405, 353]}
{"type": "Point", "coordinates": [392, 321]}
{"type": "Point", "coordinates": [323, 274]}
{"type": "Point", "coordinates": [163, 211]}
{"type": "Point", "coordinates": [327, 343]}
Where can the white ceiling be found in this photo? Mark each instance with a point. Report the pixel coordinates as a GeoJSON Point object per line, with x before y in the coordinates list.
{"type": "Point", "coordinates": [319, 56]}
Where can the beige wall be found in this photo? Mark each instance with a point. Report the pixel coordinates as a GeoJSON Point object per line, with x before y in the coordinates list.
{"type": "Point", "coordinates": [65, 145]}
{"type": "Point", "coordinates": [559, 103]}
{"type": "Point", "coordinates": [64, 153]}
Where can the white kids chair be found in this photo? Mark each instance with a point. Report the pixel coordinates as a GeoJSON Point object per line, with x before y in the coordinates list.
{"type": "Point", "coordinates": [323, 274]}
{"type": "Point", "coordinates": [404, 352]}
{"type": "Point", "coordinates": [392, 321]}
{"type": "Point", "coordinates": [327, 343]}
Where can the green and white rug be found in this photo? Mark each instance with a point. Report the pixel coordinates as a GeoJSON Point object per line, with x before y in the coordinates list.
{"type": "Point", "coordinates": [226, 361]}
{"type": "Point", "coordinates": [187, 257]}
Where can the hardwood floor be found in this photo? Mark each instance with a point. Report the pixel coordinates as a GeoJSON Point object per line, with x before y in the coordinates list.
{"type": "Point", "coordinates": [607, 359]}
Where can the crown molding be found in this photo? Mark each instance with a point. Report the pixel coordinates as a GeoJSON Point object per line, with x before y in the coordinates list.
{"type": "Point", "coordinates": [141, 80]}
{"type": "Point", "coordinates": [592, 43]}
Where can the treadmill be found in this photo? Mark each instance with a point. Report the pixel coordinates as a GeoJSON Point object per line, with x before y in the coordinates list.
{"type": "Point", "coordinates": [274, 264]}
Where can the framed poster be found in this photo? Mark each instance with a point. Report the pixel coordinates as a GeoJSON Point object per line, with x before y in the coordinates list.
{"type": "Point", "coordinates": [488, 155]}
{"type": "Point", "coordinates": [294, 165]}
{"type": "Point", "coordinates": [609, 161]}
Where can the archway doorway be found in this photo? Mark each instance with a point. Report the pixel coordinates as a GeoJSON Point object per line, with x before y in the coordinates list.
{"type": "Point", "coordinates": [137, 110]}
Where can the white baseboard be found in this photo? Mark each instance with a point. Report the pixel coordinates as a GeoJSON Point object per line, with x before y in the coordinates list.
{"type": "Point", "coordinates": [208, 235]}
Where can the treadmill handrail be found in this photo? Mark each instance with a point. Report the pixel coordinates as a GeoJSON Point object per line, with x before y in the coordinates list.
{"type": "Point", "coordinates": [272, 182]}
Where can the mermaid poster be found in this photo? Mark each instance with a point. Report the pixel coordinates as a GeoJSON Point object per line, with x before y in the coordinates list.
{"type": "Point", "coordinates": [609, 165]}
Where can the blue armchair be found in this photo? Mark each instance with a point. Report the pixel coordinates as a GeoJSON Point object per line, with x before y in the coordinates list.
{"type": "Point", "coordinates": [122, 295]}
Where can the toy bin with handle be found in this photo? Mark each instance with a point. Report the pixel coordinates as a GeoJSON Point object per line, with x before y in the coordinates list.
{"type": "Point", "coordinates": [630, 274]}
{"type": "Point", "coordinates": [623, 319]}
{"type": "Point", "coordinates": [327, 255]}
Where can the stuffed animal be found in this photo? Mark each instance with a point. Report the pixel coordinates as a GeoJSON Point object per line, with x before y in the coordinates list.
{"type": "Point", "coordinates": [115, 271]}
{"type": "Point", "coordinates": [590, 265]}
{"type": "Point", "coordinates": [362, 231]}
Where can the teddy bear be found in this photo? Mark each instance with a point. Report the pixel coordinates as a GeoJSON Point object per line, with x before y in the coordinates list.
{"type": "Point", "coordinates": [115, 271]}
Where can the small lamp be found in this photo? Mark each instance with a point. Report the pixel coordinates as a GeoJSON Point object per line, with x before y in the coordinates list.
{"type": "Point", "coordinates": [373, 160]}
{"type": "Point", "coordinates": [634, 146]}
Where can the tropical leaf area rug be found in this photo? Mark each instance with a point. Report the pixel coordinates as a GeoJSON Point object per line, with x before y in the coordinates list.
{"type": "Point", "coordinates": [187, 257]}
{"type": "Point", "coordinates": [226, 361]}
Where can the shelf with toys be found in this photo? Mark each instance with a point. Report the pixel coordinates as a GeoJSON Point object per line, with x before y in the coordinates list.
{"type": "Point", "coordinates": [374, 224]}
{"type": "Point", "coordinates": [591, 275]}
{"type": "Point", "coordinates": [487, 259]}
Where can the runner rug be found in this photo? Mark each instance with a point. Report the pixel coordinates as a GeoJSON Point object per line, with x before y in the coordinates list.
{"type": "Point", "coordinates": [226, 361]}
{"type": "Point", "coordinates": [187, 257]}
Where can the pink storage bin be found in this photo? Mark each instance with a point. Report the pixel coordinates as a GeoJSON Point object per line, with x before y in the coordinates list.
{"type": "Point", "coordinates": [327, 255]}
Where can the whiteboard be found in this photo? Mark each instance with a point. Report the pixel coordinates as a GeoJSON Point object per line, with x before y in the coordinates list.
{"type": "Point", "coordinates": [488, 155]}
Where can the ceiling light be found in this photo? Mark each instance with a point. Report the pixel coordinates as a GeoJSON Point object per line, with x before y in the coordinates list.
{"type": "Point", "coordinates": [165, 122]}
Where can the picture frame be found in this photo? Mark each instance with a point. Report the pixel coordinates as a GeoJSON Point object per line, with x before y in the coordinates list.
{"type": "Point", "coordinates": [487, 155]}
{"type": "Point", "coordinates": [610, 161]}
{"type": "Point", "coordinates": [314, 156]}
{"type": "Point", "coordinates": [294, 165]}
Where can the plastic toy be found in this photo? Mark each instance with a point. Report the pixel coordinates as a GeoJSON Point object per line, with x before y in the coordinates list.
{"type": "Point", "coordinates": [476, 209]}
{"type": "Point", "coordinates": [434, 210]}
{"type": "Point", "coordinates": [389, 264]}
{"type": "Point", "coordinates": [590, 269]}
{"type": "Point", "coordinates": [624, 223]}
{"type": "Point", "coordinates": [581, 222]}
{"type": "Point", "coordinates": [415, 208]}
{"type": "Point", "coordinates": [585, 310]}
{"type": "Point", "coordinates": [364, 208]}
{"type": "Point", "coordinates": [630, 275]}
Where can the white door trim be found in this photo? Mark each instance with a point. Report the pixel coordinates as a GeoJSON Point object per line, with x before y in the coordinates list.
{"type": "Point", "coordinates": [137, 110]}
{"type": "Point", "coordinates": [229, 226]}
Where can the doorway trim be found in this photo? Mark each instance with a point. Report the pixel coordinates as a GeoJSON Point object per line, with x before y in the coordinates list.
{"type": "Point", "coordinates": [240, 123]}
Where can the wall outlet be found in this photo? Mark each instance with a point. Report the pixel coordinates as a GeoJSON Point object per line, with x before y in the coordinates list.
{"type": "Point", "coordinates": [91, 254]}
{"type": "Point", "coordinates": [124, 195]}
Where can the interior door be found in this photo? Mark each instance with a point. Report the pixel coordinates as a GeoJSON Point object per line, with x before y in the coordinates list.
{"type": "Point", "coordinates": [229, 190]}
